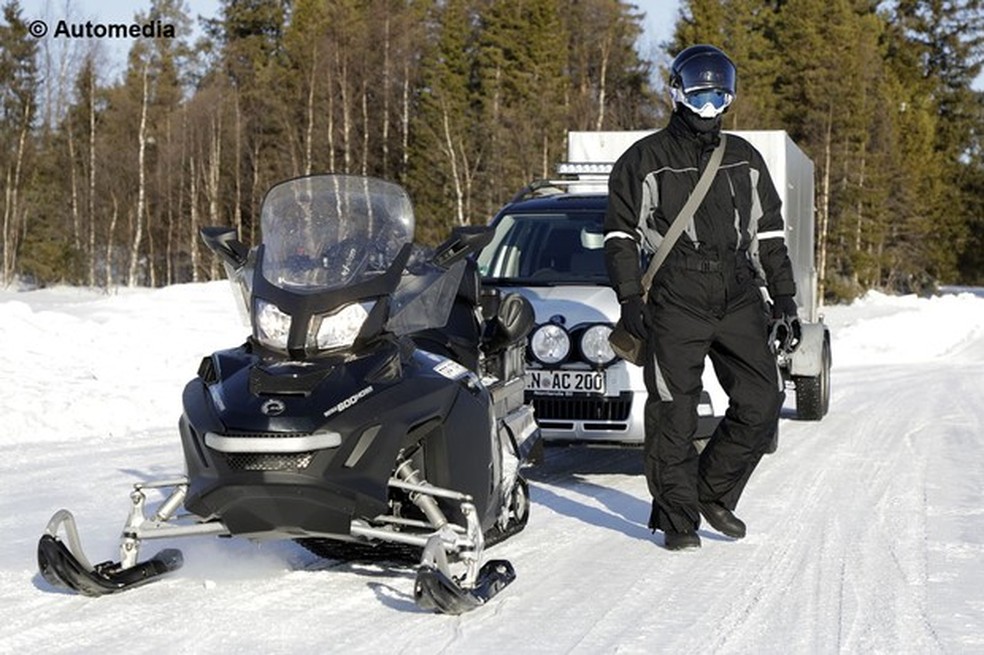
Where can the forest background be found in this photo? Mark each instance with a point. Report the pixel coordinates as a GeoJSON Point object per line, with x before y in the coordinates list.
{"type": "Point", "coordinates": [105, 180]}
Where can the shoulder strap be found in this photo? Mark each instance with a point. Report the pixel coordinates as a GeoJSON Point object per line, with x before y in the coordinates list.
{"type": "Point", "coordinates": [693, 202]}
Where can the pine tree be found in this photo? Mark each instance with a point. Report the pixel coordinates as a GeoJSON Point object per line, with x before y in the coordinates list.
{"type": "Point", "coordinates": [446, 152]}
{"type": "Point", "coordinates": [521, 64]}
{"type": "Point", "coordinates": [744, 29]}
{"type": "Point", "coordinates": [609, 86]}
{"type": "Point", "coordinates": [250, 66]}
{"type": "Point", "coordinates": [307, 81]}
{"type": "Point", "coordinates": [821, 93]}
{"type": "Point", "coordinates": [945, 43]}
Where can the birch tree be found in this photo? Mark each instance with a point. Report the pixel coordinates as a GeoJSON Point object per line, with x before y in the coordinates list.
{"type": "Point", "coordinates": [18, 89]}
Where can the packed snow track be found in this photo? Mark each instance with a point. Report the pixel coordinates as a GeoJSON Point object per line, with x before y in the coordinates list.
{"type": "Point", "coordinates": [865, 529]}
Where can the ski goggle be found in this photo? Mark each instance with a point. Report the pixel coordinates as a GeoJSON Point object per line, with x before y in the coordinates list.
{"type": "Point", "coordinates": [706, 103]}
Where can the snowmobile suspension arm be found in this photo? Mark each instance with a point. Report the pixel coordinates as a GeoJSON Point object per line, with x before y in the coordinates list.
{"type": "Point", "coordinates": [430, 490]}
{"type": "Point", "coordinates": [139, 526]}
{"type": "Point", "coordinates": [467, 547]}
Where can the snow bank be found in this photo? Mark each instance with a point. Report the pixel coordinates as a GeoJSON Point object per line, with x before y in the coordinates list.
{"type": "Point", "coordinates": [881, 329]}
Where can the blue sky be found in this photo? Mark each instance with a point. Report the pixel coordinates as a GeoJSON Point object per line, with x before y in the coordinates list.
{"type": "Point", "coordinates": [660, 17]}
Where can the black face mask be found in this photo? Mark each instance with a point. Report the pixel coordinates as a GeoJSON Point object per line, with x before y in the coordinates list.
{"type": "Point", "coordinates": [697, 124]}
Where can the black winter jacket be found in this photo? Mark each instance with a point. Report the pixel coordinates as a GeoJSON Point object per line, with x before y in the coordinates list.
{"type": "Point", "coordinates": [735, 240]}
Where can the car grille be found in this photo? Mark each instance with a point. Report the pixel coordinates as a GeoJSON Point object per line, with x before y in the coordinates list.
{"type": "Point", "coordinates": [579, 408]}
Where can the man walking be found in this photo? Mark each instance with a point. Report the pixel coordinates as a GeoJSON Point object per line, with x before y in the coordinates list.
{"type": "Point", "coordinates": [705, 300]}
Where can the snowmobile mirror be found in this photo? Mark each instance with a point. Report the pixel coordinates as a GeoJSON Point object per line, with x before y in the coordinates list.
{"type": "Point", "coordinates": [223, 242]}
{"type": "Point", "coordinates": [464, 240]}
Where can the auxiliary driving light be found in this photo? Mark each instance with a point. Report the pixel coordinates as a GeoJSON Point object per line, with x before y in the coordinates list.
{"type": "Point", "coordinates": [595, 346]}
{"type": "Point", "coordinates": [550, 344]}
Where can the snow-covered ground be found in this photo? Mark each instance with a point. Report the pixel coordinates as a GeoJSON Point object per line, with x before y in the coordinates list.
{"type": "Point", "coordinates": [866, 530]}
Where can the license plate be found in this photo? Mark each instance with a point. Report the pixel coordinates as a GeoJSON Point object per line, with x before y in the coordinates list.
{"type": "Point", "coordinates": [566, 382]}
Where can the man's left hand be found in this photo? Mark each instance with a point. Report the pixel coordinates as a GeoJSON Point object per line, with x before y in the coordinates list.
{"type": "Point", "coordinates": [785, 331]}
{"type": "Point", "coordinates": [784, 307]}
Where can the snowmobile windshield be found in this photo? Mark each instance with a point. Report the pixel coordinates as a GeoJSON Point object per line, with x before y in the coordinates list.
{"type": "Point", "coordinates": [324, 232]}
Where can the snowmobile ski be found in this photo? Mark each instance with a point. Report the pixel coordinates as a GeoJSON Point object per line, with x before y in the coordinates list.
{"type": "Point", "coordinates": [63, 563]}
{"type": "Point", "coordinates": [63, 569]}
{"type": "Point", "coordinates": [433, 590]}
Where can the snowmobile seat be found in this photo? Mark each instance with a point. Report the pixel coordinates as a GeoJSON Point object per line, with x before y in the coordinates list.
{"type": "Point", "coordinates": [511, 321]}
{"type": "Point", "coordinates": [504, 340]}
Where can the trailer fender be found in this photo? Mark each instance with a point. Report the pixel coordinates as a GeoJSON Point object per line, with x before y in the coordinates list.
{"type": "Point", "coordinates": [807, 359]}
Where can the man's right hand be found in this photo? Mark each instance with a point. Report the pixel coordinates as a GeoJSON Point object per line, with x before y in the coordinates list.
{"type": "Point", "coordinates": [634, 316]}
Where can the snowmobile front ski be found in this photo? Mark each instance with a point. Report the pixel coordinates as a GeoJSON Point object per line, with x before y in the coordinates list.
{"type": "Point", "coordinates": [437, 587]}
{"type": "Point", "coordinates": [433, 590]}
{"type": "Point", "coordinates": [62, 562]}
{"type": "Point", "coordinates": [61, 568]}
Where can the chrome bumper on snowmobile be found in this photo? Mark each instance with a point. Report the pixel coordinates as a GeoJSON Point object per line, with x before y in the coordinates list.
{"type": "Point", "coordinates": [449, 577]}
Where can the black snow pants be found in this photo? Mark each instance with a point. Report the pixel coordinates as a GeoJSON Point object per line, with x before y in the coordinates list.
{"type": "Point", "coordinates": [732, 332]}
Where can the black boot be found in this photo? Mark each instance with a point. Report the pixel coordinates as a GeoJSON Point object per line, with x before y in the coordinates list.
{"type": "Point", "coordinates": [680, 540]}
{"type": "Point", "coordinates": [722, 519]}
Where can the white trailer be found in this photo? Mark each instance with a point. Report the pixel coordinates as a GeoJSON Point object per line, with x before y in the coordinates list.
{"type": "Point", "coordinates": [590, 155]}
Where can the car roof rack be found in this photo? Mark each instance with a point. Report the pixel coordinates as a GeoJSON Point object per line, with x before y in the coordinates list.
{"type": "Point", "coordinates": [580, 177]}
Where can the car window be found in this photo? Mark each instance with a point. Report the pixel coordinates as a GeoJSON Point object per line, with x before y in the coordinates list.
{"type": "Point", "coordinates": [548, 248]}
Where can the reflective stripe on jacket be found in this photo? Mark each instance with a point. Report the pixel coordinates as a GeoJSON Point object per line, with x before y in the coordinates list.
{"type": "Point", "coordinates": [739, 219]}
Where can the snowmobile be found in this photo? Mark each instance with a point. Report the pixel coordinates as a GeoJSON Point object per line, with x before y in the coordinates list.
{"type": "Point", "coordinates": [378, 400]}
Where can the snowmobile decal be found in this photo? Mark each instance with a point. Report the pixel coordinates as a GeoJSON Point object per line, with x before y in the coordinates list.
{"type": "Point", "coordinates": [348, 402]}
{"type": "Point", "coordinates": [451, 369]}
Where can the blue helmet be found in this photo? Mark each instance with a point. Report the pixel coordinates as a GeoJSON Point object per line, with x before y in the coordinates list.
{"type": "Point", "coordinates": [704, 80]}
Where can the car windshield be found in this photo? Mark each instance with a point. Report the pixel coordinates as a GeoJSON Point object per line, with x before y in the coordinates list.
{"type": "Point", "coordinates": [546, 249]}
{"type": "Point", "coordinates": [328, 231]}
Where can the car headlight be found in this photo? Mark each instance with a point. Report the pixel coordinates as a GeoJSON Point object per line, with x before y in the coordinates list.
{"type": "Point", "coordinates": [595, 346]}
{"type": "Point", "coordinates": [550, 343]}
{"type": "Point", "coordinates": [272, 325]}
{"type": "Point", "coordinates": [339, 329]}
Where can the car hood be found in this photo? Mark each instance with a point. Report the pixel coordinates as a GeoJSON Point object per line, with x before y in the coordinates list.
{"type": "Point", "coordinates": [577, 304]}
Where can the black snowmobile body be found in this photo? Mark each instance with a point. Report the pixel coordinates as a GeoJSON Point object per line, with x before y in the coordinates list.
{"type": "Point", "coordinates": [378, 400]}
{"type": "Point", "coordinates": [387, 402]}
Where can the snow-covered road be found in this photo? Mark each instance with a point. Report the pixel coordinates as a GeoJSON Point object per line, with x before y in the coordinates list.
{"type": "Point", "coordinates": [866, 530]}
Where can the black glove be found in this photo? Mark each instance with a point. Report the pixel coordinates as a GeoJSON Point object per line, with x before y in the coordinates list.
{"type": "Point", "coordinates": [784, 307]}
{"type": "Point", "coordinates": [785, 331]}
{"type": "Point", "coordinates": [634, 316]}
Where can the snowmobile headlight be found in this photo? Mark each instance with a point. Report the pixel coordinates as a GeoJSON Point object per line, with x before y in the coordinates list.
{"type": "Point", "coordinates": [272, 325]}
{"type": "Point", "coordinates": [550, 343]}
{"type": "Point", "coordinates": [339, 329]}
{"type": "Point", "coordinates": [595, 346]}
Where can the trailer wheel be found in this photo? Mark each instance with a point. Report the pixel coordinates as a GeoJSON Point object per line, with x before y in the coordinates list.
{"type": "Point", "coordinates": [813, 392]}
